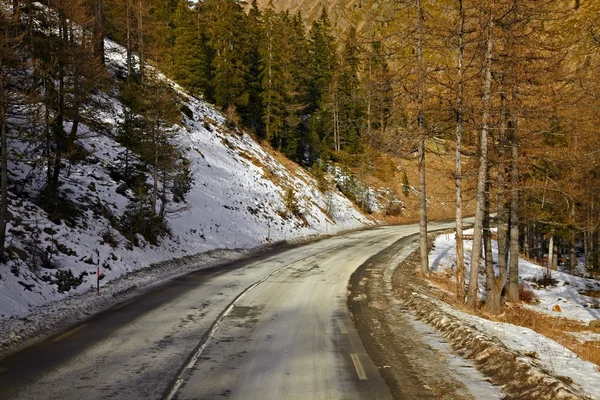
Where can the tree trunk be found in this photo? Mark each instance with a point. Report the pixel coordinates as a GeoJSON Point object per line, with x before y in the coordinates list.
{"type": "Point", "coordinates": [501, 206]}
{"type": "Point", "coordinates": [597, 246]}
{"type": "Point", "coordinates": [128, 33]}
{"type": "Point", "coordinates": [155, 172]}
{"type": "Point", "coordinates": [572, 256]}
{"type": "Point", "coordinates": [99, 30]}
{"type": "Point", "coordinates": [586, 249]}
{"type": "Point", "coordinates": [141, 40]}
{"type": "Point", "coordinates": [3, 162]}
{"type": "Point", "coordinates": [526, 240]}
{"type": "Point", "coordinates": [421, 129]}
{"type": "Point", "coordinates": [163, 196]}
{"type": "Point", "coordinates": [551, 253]}
{"type": "Point", "coordinates": [494, 284]}
{"type": "Point", "coordinates": [59, 119]}
{"type": "Point", "coordinates": [460, 258]}
{"type": "Point", "coordinates": [512, 292]}
{"type": "Point", "coordinates": [482, 171]}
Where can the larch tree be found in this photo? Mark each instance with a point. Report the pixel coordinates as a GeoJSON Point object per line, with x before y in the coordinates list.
{"type": "Point", "coordinates": [482, 172]}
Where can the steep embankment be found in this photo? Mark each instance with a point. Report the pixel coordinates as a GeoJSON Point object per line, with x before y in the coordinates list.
{"type": "Point", "coordinates": [241, 197]}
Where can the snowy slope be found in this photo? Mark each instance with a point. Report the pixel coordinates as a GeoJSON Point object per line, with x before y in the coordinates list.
{"type": "Point", "coordinates": [236, 202]}
{"type": "Point", "coordinates": [568, 292]}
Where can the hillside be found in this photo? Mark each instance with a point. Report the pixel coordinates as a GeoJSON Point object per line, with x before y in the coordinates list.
{"type": "Point", "coordinates": [241, 197]}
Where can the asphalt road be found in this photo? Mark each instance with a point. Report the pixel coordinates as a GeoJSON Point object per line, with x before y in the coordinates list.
{"type": "Point", "coordinates": [273, 327]}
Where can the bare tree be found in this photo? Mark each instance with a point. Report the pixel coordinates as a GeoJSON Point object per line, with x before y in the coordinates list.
{"type": "Point", "coordinates": [422, 137]}
{"type": "Point", "coordinates": [482, 173]}
{"type": "Point", "coordinates": [460, 258]}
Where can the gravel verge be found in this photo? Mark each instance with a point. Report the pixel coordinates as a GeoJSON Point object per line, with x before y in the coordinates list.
{"type": "Point", "coordinates": [519, 375]}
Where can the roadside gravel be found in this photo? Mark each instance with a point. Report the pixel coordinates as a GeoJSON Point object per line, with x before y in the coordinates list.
{"type": "Point", "coordinates": [383, 295]}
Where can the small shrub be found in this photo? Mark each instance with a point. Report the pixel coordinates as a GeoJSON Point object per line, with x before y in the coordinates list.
{"type": "Point", "coordinates": [63, 248]}
{"type": "Point", "coordinates": [405, 184]}
{"type": "Point", "coordinates": [140, 220]}
{"type": "Point", "coordinates": [109, 238]}
{"type": "Point", "coordinates": [291, 203]}
{"type": "Point", "coordinates": [545, 279]}
{"type": "Point", "coordinates": [186, 111]}
{"type": "Point", "coordinates": [527, 295]}
{"type": "Point", "coordinates": [64, 279]}
{"type": "Point", "coordinates": [182, 182]}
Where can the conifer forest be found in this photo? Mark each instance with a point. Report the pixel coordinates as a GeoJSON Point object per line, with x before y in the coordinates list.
{"type": "Point", "coordinates": [509, 89]}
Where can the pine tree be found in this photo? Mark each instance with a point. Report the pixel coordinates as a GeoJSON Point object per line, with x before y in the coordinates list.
{"type": "Point", "coordinates": [11, 40]}
{"type": "Point", "coordinates": [252, 112]}
{"type": "Point", "coordinates": [322, 69]}
{"type": "Point", "coordinates": [226, 32]}
{"type": "Point", "coordinates": [350, 102]}
{"type": "Point", "coordinates": [188, 57]}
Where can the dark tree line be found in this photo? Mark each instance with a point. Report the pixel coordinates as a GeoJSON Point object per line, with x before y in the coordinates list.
{"type": "Point", "coordinates": [305, 92]}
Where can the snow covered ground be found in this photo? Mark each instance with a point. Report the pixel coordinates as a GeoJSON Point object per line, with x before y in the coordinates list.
{"type": "Point", "coordinates": [567, 293]}
{"type": "Point", "coordinates": [237, 201]}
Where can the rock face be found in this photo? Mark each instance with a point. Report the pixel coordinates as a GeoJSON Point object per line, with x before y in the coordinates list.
{"type": "Point", "coordinates": [595, 323]}
{"type": "Point", "coordinates": [556, 308]}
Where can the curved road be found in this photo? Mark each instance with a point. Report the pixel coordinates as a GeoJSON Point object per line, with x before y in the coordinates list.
{"type": "Point", "coordinates": [272, 327]}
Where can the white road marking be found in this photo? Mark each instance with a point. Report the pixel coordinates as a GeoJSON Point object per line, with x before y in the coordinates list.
{"type": "Point", "coordinates": [220, 319]}
{"type": "Point", "coordinates": [175, 389]}
{"type": "Point", "coordinates": [72, 331]}
{"type": "Point", "coordinates": [359, 368]}
{"type": "Point", "coordinates": [342, 327]}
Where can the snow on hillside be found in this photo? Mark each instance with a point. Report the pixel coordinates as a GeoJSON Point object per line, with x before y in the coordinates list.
{"type": "Point", "coordinates": [568, 292]}
{"type": "Point", "coordinates": [237, 201]}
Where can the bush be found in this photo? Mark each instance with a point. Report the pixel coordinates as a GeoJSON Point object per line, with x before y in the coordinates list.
{"type": "Point", "coordinates": [527, 295]}
{"type": "Point", "coordinates": [182, 182]}
{"type": "Point", "coordinates": [139, 219]}
{"type": "Point", "coordinates": [545, 279]}
{"type": "Point", "coordinates": [291, 203]}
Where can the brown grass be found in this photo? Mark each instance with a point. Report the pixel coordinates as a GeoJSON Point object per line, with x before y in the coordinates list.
{"type": "Point", "coordinates": [555, 328]}
{"type": "Point", "coordinates": [591, 293]}
{"type": "Point", "coordinates": [527, 295]}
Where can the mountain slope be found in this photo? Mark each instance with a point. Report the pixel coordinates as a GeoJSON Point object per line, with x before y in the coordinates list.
{"type": "Point", "coordinates": [241, 197]}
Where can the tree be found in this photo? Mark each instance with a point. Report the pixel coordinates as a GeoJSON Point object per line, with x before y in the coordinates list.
{"type": "Point", "coordinates": [419, 17]}
{"type": "Point", "coordinates": [226, 33]}
{"type": "Point", "coordinates": [188, 56]}
{"type": "Point", "coordinates": [458, 175]}
{"type": "Point", "coordinates": [350, 101]}
{"type": "Point", "coordinates": [11, 40]}
{"type": "Point", "coordinates": [482, 173]}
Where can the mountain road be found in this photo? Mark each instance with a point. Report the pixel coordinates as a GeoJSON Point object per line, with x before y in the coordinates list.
{"type": "Point", "coordinates": [275, 326]}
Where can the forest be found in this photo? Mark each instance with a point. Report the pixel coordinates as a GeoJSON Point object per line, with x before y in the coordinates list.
{"type": "Point", "coordinates": [512, 87]}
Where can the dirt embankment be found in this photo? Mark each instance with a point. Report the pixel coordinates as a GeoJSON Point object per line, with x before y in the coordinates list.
{"type": "Point", "coordinates": [385, 289]}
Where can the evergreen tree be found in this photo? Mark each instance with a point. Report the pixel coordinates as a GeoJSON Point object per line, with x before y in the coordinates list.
{"type": "Point", "coordinates": [227, 38]}
{"type": "Point", "coordinates": [350, 101]}
{"type": "Point", "coordinates": [252, 112]}
{"type": "Point", "coordinates": [322, 68]}
{"type": "Point", "coordinates": [188, 56]}
{"type": "Point", "coordinates": [11, 39]}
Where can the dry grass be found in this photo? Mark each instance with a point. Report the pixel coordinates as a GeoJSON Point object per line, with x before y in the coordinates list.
{"type": "Point", "coordinates": [527, 295]}
{"type": "Point", "coordinates": [591, 293]}
{"type": "Point", "coordinates": [555, 328]}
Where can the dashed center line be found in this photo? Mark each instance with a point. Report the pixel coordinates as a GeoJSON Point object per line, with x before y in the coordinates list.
{"type": "Point", "coordinates": [72, 331]}
{"type": "Point", "coordinates": [359, 368]}
{"type": "Point", "coordinates": [342, 327]}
